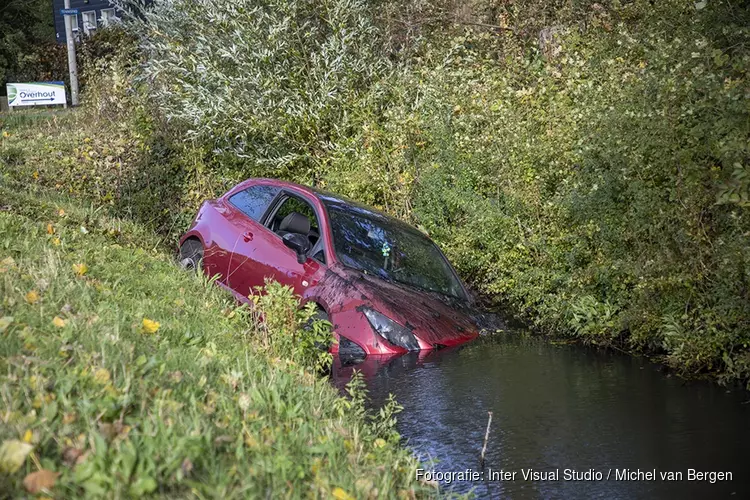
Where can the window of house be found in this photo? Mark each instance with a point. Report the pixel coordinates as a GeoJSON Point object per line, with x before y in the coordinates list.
{"type": "Point", "coordinates": [254, 200]}
{"type": "Point", "coordinates": [89, 22]}
{"type": "Point", "coordinates": [73, 23]}
{"type": "Point", "coordinates": [108, 17]}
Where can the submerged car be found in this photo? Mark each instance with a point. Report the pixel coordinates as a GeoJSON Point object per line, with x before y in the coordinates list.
{"type": "Point", "coordinates": [384, 285]}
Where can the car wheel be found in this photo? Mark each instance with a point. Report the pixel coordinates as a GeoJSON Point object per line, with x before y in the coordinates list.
{"type": "Point", "coordinates": [191, 255]}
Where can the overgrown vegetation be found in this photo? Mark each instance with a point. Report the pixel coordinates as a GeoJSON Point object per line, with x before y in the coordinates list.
{"type": "Point", "coordinates": [121, 375]}
{"type": "Point", "coordinates": [584, 163]}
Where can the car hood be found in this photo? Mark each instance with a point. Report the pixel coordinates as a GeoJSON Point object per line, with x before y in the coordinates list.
{"type": "Point", "coordinates": [435, 319]}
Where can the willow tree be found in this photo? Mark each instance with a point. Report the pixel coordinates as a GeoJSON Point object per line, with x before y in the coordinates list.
{"type": "Point", "coordinates": [267, 81]}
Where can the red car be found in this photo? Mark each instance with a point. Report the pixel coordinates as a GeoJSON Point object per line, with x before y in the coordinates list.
{"type": "Point", "coordinates": [385, 286]}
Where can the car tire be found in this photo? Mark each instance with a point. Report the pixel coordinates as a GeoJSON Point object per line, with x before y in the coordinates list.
{"type": "Point", "coordinates": [191, 255]}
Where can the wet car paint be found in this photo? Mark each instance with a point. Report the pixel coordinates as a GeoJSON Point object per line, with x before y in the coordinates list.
{"type": "Point", "coordinates": [242, 252]}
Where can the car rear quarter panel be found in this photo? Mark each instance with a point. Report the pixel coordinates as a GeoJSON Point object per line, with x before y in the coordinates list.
{"type": "Point", "coordinates": [212, 229]}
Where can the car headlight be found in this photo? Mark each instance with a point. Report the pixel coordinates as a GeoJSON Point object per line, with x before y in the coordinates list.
{"type": "Point", "coordinates": [391, 331]}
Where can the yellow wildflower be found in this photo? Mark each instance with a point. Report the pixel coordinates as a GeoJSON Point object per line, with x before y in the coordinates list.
{"type": "Point", "coordinates": [149, 326]}
{"type": "Point", "coordinates": [80, 269]}
{"type": "Point", "coordinates": [32, 297]}
{"type": "Point", "coordinates": [101, 376]}
{"type": "Point", "coordinates": [340, 494]}
{"type": "Point", "coordinates": [58, 322]}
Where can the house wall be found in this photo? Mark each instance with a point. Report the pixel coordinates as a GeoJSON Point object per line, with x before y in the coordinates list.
{"type": "Point", "coordinates": [82, 6]}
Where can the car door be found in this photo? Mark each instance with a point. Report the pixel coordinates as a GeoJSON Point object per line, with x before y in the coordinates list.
{"type": "Point", "coordinates": [273, 259]}
{"type": "Point", "coordinates": [244, 211]}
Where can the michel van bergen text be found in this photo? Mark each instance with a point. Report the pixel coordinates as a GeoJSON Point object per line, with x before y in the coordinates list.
{"type": "Point", "coordinates": [572, 475]}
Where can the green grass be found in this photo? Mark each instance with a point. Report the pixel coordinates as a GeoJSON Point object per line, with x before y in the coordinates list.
{"type": "Point", "coordinates": [195, 408]}
{"type": "Point", "coordinates": [20, 117]}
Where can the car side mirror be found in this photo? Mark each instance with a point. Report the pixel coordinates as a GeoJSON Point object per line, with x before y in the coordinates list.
{"type": "Point", "coordinates": [299, 243]}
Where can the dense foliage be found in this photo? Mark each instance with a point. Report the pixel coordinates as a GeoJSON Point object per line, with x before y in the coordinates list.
{"type": "Point", "coordinates": [28, 50]}
{"type": "Point", "coordinates": [584, 163]}
{"type": "Point", "coordinates": [270, 82]}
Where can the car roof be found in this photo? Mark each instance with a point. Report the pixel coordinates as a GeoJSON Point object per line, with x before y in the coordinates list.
{"type": "Point", "coordinates": [335, 200]}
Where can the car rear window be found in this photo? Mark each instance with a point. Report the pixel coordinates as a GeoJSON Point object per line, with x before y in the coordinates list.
{"type": "Point", "coordinates": [254, 200]}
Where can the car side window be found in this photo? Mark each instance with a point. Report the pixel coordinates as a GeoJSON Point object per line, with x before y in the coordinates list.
{"type": "Point", "coordinates": [296, 205]}
{"type": "Point", "coordinates": [293, 204]}
{"type": "Point", "coordinates": [254, 200]}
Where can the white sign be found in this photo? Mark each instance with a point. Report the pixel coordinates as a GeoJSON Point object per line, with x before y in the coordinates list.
{"type": "Point", "coordinates": [35, 94]}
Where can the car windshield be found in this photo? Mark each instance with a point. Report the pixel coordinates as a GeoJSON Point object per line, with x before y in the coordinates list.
{"type": "Point", "coordinates": [381, 246]}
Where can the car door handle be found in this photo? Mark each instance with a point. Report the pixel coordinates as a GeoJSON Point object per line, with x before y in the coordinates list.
{"type": "Point", "coordinates": [247, 236]}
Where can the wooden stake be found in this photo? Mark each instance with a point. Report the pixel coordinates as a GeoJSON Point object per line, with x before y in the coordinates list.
{"type": "Point", "coordinates": [486, 437]}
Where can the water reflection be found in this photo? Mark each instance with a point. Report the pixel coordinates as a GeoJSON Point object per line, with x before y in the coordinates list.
{"type": "Point", "coordinates": [562, 407]}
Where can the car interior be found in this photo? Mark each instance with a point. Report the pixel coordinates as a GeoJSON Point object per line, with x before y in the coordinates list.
{"type": "Point", "coordinates": [296, 216]}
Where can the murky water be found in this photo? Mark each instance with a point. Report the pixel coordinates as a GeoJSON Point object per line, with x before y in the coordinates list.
{"type": "Point", "coordinates": [564, 407]}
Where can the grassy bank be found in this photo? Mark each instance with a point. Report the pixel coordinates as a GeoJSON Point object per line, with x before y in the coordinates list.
{"type": "Point", "coordinates": [120, 375]}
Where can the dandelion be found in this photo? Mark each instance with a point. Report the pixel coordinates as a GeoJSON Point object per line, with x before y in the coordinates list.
{"type": "Point", "coordinates": [251, 440]}
{"type": "Point", "coordinates": [232, 378]}
{"type": "Point", "coordinates": [80, 269]}
{"type": "Point", "coordinates": [101, 376]}
{"type": "Point", "coordinates": [56, 242]}
{"type": "Point", "coordinates": [50, 229]}
{"type": "Point", "coordinates": [340, 494]}
{"type": "Point", "coordinates": [32, 297]}
{"type": "Point", "coordinates": [6, 264]}
{"type": "Point", "coordinates": [58, 322]}
{"type": "Point", "coordinates": [149, 326]}
{"type": "Point", "coordinates": [28, 436]}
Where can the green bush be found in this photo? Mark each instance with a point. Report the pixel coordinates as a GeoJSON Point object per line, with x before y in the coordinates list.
{"type": "Point", "coordinates": [270, 84]}
{"type": "Point", "coordinates": [291, 332]}
{"type": "Point", "coordinates": [597, 185]}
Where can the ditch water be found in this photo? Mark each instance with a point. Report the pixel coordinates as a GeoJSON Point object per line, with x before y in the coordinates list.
{"type": "Point", "coordinates": [563, 407]}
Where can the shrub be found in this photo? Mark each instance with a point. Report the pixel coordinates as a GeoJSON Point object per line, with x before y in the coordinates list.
{"type": "Point", "coordinates": [272, 83]}
{"type": "Point", "coordinates": [289, 331]}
